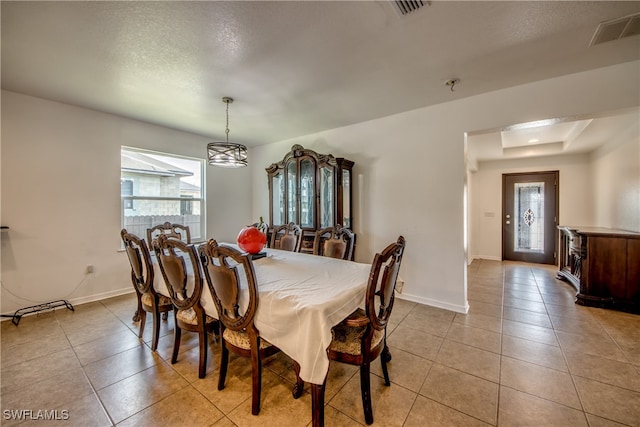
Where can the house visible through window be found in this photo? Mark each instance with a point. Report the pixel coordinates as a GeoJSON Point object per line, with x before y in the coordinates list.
{"type": "Point", "coordinates": [126, 189]}
{"type": "Point", "coordinates": [159, 187]}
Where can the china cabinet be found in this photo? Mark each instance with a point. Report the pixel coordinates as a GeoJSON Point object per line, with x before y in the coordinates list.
{"type": "Point", "coordinates": [312, 190]}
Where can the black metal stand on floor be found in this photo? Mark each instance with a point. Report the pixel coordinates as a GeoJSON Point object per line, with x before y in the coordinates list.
{"type": "Point", "coordinates": [40, 307]}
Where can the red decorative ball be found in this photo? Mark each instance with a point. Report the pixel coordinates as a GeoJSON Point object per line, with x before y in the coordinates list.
{"type": "Point", "coordinates": [251, 240]}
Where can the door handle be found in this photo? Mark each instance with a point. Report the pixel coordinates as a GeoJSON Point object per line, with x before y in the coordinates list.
{"type": "Point", "coordinates": [508, 222]}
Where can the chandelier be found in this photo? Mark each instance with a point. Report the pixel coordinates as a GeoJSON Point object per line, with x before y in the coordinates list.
{"type": "Point", "coordinates": [227, 154]}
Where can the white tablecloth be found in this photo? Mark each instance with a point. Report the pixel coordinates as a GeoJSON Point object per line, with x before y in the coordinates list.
{"type": "Point", "coordinates": [301, 298]}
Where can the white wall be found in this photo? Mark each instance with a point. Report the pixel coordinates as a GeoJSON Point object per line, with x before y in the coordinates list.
{"type": "Point", "coordinates": [410, 170]}
{"type": "Point", "coordinates": [616, 181]}
{"type": "Point", "coordinates": [61, 198]}
{"type": "Point", "coordinates": [485, 211]}
{"type": "Point", "coordinates": [61, 166]}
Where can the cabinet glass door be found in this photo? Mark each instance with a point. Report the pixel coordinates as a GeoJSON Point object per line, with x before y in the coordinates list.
{"type": "Point", "coordinates": [307, 192]}
{"type": "Point", "coordinates": [292, 191]}
{"type": "Point", "coordinates": [326, 197]}
{"type": "Point", "coordinates": [277, 198]}
{"type": "Point", "coordinates": [346, 199]}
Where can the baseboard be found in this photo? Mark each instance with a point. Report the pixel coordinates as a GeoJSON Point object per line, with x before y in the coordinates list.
{"type": "Point", "coordinates": [464, 309]}
{"type": "Point", "coordinates": [487, 257]}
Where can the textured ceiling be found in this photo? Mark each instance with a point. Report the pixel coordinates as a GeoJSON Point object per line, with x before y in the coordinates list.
{"type": "Point", "coordinates": [293, 68]}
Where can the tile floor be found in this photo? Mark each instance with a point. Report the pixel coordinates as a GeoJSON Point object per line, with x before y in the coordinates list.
{"type": "Point", "coordinates": [525, 354]}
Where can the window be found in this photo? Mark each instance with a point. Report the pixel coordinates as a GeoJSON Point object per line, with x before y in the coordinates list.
{"type": "Point", "coordinates": [159, 187]}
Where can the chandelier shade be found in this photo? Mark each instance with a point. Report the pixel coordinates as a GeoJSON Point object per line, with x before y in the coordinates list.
{"type": "Point", "coordinates": [227, 154]}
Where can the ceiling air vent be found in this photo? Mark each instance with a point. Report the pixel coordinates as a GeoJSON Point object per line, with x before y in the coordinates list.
{"type": "Point", "coordinates": [405, 7]}
{"type": "Point", "coordinates": [616, 29]}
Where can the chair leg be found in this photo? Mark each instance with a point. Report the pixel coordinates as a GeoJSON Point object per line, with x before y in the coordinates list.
{"type": "Point", "coordinates": [224, 362]}
{"type": "Point", "coordinates": [177, 335]}
{"type": "Point", "coordinates": [365, 389]}
{"type": "Point", "coordinates": [142, 315]}
{"type": "Point", "coordinates": [136, 315]}
{"type": "Point", "coordinates": [256, 378]}
{"type": "Point", "coordinates": [299, 387]}
{"type": "Point", "coordinates": [384, 358]}
{"type": "Point", "coordinates": [156, 330]}
{"type": "Point", "coordinates": [202, 339]}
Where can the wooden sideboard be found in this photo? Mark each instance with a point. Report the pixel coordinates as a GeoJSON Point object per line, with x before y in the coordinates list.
{"type": "Point", "coordinates": [603, 264]}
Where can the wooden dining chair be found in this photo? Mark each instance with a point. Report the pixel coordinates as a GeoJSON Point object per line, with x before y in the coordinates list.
{"type": "Point", "coordinates": [142, 277]}
{"type": "Point", "coordinates": [335, 242]}
{"type": "Point", "coordinates": [287, 237]}
{"type": "Point", "coordinates": [362, 337]}
{"type": "Point", "coordinates": [180, 266]}
{"type": "Point", "coordinates": [176, 231]}
{"type": "Point", "coordinates": [225, 268]}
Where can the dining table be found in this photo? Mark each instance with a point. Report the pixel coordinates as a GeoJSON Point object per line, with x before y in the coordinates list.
{"type": "Point", "coordinates": [301, 298]}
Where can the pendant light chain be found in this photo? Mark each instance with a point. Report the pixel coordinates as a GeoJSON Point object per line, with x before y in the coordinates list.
{"type": "Point", "coordinates": [227, 101]}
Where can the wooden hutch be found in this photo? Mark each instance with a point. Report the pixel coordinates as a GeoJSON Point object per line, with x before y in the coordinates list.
{"type": "Point", "coordinates": [312, 190]}
{"type": "Point", "coordinates": [604, 266]}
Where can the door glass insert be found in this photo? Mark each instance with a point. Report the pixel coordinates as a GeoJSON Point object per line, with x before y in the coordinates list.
{"type": "Point", "coordinates": [529, 217]}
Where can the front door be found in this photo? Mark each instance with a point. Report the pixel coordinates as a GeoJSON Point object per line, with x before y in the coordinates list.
{"type": "Point", "coordinates": [530, 217]}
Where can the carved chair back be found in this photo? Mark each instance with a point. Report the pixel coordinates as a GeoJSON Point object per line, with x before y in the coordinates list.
{"type": "Point", "coordinates": [176, 231]}
{"type": "Point", "coordinates": [287, 237]}
{"type": "Point", "coordinates": [335, 242]}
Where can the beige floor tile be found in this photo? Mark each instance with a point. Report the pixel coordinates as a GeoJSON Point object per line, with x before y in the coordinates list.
{"type": "Point", "coordinates": [601, 346]}
{"type": "Point", "coordinates": [185, 407]}
{"type": "Point", "coordinates": [277, 408]}
{"type": "Point", "coordinates": [49, 391]}
{"type": "Point", "coordinates": [333, 417]}
{"type": "Point", "coordinates": [539, 381]}
{"type": "Point", "coordinates": [578, 325]}
{"type": "Point", "coordinates": [470, 360]}
{"type": "Point", "coordinates": [607, 371]}
{"type": "Point", "coordinates": [530, 332]}
{"type": "Point", "coordinates": [137, 392]}
{"type": "Point", "coordinates": [429, 324]}
{"type": "Point", "coordinates": [105, 372]}
{"type": "Point", "coordinates": [391, 404]}
{"type": "Point", "coordinates": [466, 393]}
{"type": "Point", "coordinates": [405, 369]}
{"type": "Point", "coordinates": [526, 316]}
{"type": "Point", "coordinates": [490, 323]}
{"type": "Point", "coordinates": [610, 402]}
{"type": "Point", "coordinates": [107, 346]}
{"type": "Point", "coordinates": [237, 387]}
{"type": "Point", "coordinates": [428, 413]}
{"type": "Point", "coordinates": [476, 295]}
{"type": "Point", "coordinates": [475, 337]}
{"type": "Point", "coordinates": [522, 409]}
{"type": "Point", "coordinates": [478, 307]}
{"type": "Point", "coordinates": [525, 304]}
{"type": "Point", "coordinates": [416, 342]}
{"type": "Point", "coordinates": [523, 294]}
{"type": "Point", "coordinates": [534, 352]}
{"type": "Point", "coordinates": [595, 421]}
{"type": "Point", "coordinates": [32, 349]}
{"type": "Point", "coordinates": [32, 371]}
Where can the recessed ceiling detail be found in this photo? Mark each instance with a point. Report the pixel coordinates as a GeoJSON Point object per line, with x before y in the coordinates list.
{"type": "Point", "coordinates": [542, 133]}
{"type": "Point", "coordinates": [405, 7]}
{"type": "Point", "coordinates": [617, 29]}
